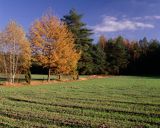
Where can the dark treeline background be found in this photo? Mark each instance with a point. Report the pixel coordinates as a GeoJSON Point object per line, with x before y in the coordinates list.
{"type": "Point", "coordinates": [117, 56]}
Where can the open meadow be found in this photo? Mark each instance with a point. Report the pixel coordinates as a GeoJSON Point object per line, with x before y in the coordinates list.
{"type": "Point", "coordinates": [115, 102]}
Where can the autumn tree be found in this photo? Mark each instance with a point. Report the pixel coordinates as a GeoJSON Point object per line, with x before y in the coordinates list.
{"type": "Point", "coordinates": [53, 45]}
{"type": "Point", "coordinates": [15, 51]}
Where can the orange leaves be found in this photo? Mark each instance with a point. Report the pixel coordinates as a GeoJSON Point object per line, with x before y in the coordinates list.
{"type": "Point", "coordinates": [53, 44]}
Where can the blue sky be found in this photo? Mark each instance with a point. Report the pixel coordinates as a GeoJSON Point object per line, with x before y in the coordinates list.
{"type": "Point", "coordinates": [132, 19]}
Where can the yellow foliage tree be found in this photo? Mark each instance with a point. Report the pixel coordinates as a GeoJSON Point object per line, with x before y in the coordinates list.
{"type": "Point", "coordinates": [15, 51]}
{"type": "Point", "coordinates": [53, 45]}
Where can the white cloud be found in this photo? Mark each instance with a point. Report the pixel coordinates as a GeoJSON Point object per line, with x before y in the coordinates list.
{"type": "Point", "coordinates": [154, 17]}
{"type": "Point", "coordinates": [112, 24]}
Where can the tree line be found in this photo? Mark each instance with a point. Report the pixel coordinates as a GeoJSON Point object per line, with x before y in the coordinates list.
{"type": "Point", "coordinates": [65, 47]}
{"type": "Point", "coordinates": [118, 56]}
{"type": "Point", "coordinates": [126, 57]}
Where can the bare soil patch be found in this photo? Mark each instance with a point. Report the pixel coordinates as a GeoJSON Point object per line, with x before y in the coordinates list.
{"type": "Point", "coordinates": [98, 76]}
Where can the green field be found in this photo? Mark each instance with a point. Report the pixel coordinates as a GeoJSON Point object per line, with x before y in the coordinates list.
{"type": "Point", "coordinates": [116, 102]}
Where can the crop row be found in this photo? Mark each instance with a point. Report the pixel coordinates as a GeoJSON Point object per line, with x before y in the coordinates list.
{"type": "Point", "coordinates": [88, 112]}
{"type": "Point", "coordinates": [90, 107]}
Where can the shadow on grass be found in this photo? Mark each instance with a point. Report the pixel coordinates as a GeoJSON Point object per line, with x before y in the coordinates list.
{"type": "Point", "coordinates": [42, 79]}
{"type": "Point", "coordinates": [4, 125]}
{"type": "Point", "coordinates": [2, 79]}
{"type": "Point", "coordinates": [152, 77]}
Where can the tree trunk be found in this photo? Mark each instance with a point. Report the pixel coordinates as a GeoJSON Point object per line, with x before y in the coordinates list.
{"type": "Point", "coordinates": [13, 77]}
{"type": "Point", "coordinates": [10, 69]}
{"type": "Point", "coordinates": [5, 67]}
{"type": "Point", "coordinates": [77, 77]}
{"type": "Point", "coordinates": [49, 74]}
{"type": "Point", "coordinates": [59, 77]}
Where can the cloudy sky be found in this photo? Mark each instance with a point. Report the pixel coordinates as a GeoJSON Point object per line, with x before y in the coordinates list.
{"type": "Point", "coordinates": [133, 19]}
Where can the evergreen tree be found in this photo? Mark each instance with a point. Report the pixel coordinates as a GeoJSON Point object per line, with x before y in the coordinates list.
{"type": "Point", "coordinates": [116, 55]}
{"type": "Point", "coordinates": [134, 53]}
{"type": "Point", "coordinates": [153, 57]}
{"type": "Point", "coordinates": [98, 60]}
{"type": "Point", "coordinates": [144, 45]}
{"type": "Point", "coordinates": [82, 40]}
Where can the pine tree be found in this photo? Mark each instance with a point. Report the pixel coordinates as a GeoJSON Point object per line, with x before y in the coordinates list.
{"type": "Point", "coordinates": [82, 40]}
{"type": "Point", "coordinates": [116, 55]}
{"type": "Point", "coordinates": [99, 60]}
{"type": "Point", "coordinates": [144, 45]}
